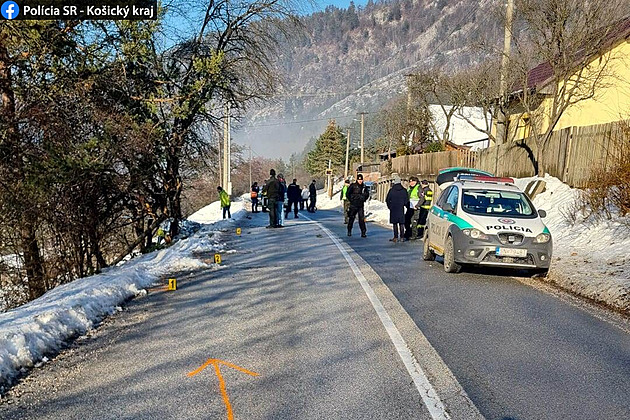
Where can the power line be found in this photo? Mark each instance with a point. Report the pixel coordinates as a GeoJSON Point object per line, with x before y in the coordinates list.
{"type": "Point", "coordinates": [297, 122]}
{"type": "Point", "coordinates": [315, 95]}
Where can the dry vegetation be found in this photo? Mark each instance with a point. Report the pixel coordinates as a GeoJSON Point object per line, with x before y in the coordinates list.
{"type": "Point", "coordinates": [607, 195]}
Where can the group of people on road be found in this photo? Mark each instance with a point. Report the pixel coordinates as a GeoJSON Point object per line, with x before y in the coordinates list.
{"type": "Point", "coordinates": [276, 191]}
{"type": "Point", "coordinates": [408, 208]}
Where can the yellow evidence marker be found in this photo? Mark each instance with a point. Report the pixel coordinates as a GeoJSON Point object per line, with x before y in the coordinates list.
{"type": "Point", "coordinates": [217, 258]}
{"type": "Point", "coordinates": [172, 284]}
{"type": "Point", "coordinates": [238, 231]}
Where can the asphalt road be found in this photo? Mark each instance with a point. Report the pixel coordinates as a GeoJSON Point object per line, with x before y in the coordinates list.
{"type": "Point", "coordinates": [518, 352]}
{"type": "Point", "coordinates": [287, 305]}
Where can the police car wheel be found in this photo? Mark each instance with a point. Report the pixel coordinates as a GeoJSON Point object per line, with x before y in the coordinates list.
{"type": "Point", "coordinates": [450, 266]}
{"type": "Point", "coordinates": [427, 253]}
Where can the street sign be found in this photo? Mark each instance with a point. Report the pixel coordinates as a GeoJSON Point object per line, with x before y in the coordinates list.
{"type": "Point", "coordinates": [328, 171]}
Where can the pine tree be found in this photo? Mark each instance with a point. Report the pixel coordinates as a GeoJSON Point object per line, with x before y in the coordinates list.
{"type": "Point", "coordinates": [329, 146]}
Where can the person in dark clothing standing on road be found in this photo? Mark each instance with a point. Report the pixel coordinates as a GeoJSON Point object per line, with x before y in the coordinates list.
{"type": "Point", "coordinates": [294, 194]}
{"type": "Point", "coordinates": [254, 196]}
{"type": "Point", "coordinates": [397, 201]}
{"type": "Point", "coordinates": [282, 194]}
{"type": "Point", "coordinates": [272, 189]}
{"type": "Point", "coordinates": [358, 194]}
{"type": "Point", "coordinates": [312, 190]}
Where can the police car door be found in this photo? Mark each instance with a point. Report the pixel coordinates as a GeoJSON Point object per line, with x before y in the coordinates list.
{"type": "Point", "coordinates": [437, 221]}
{"type": "Point", "coordinates": [449, 207]}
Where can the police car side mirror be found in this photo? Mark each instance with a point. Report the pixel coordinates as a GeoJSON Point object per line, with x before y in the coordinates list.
{"type": "Point", "coordinates": [542, 214]}
{"type": "Point", "coordinates": [449, 207]}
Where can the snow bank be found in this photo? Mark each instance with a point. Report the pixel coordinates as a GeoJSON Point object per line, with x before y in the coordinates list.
{"type": "Point", "coordinates": [41, 327]}
{"type": "Point", "coordinates": [590, 257]}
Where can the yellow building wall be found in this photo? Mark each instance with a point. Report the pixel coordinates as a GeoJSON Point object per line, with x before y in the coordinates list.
{"type": "Point", "coordinates": [610, 103]}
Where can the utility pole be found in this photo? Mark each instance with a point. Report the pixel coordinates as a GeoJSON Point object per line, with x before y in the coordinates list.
{"type": "Point", "coordinates": [362, 114]}
{"type": "Point", "coordinates": [345, 174]}
{"type": "Point", "coordinates": [329, 178]}
{"type": "Point", "coordinates": [226, 151]}
{"type": "Point", "coordinates": [219, 156]}
{"type": "Point", "coordinates": [505, 61]}
{"type": "Point", "coordinates": [250, 165]}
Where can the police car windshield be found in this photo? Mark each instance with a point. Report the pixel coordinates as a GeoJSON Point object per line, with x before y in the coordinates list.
{"type": "Point", "coordinates": [497, 203]}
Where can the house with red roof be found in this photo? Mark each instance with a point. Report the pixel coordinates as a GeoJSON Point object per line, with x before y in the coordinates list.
{"type": "Point", "coordinates": [595, 91]}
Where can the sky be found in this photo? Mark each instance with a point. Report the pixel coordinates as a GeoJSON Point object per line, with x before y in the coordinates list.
{"type": "Point", "coordinates": [31, 332]}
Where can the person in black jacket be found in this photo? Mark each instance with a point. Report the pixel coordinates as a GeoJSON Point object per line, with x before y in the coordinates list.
{"type": "Point", "coordinates": [358, 194]}
{"type": "Point", "coordinates": [271, 189]}
{"type": "Point", "coordinates": [254, 196]}
{"type": "Point", "coordinates": [312, 190]}
{"type": "Point", "coordinates": [397, 200]}
{"type": "Point", "coordinates": [294, 194]}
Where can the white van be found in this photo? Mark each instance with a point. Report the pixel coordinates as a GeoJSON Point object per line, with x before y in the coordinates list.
{"type": "Point", "coordinates": [483, 220]}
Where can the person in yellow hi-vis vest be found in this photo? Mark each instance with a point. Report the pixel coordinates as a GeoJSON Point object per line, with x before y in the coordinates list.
{"type": "Point", "coordinates": [413, 212]}
{"type": "Point", "coordinates": [225, 202]}
{"type": "Point", "coordinates": [344, 199]}
{"type": "Point", "coordinates": [426, 201]}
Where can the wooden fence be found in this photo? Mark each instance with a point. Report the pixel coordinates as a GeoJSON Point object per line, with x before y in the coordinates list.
{"type": "Point", "coordinates": [428, 164]}
{"type": "Point", "coordinates": [570, 155]}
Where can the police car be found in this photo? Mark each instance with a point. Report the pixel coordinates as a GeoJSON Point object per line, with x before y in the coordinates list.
{"type": "Point", "coordinates": [488, 221]}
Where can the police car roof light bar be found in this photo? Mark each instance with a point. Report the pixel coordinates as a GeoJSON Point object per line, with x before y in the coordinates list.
{"type": "Point", "coordinates": [471, 177]}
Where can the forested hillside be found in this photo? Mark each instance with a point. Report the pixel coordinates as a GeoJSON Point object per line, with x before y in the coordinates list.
{"type": "Point", "coordinates": [341, 52]}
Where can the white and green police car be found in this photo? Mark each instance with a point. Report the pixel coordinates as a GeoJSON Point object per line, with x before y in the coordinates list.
{"type": "Point", "coordinates": [487, 221]}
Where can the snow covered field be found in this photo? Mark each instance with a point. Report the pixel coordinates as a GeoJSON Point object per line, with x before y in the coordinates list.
{"type": "Point", "coordinates": [591, 258]}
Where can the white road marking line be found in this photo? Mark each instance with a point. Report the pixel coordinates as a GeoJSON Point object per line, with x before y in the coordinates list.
{"type": "Point", "coordinates": [424, 387]}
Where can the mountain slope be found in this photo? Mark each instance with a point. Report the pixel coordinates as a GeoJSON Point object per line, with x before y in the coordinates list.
{"type": "Point", "coordinates": [354, 60]}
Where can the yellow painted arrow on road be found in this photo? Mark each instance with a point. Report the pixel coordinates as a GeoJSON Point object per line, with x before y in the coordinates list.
{"type": "Point", "coordinates": [217, 363]}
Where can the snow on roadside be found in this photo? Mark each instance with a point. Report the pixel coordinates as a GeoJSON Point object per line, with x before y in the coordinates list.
{"type": "Point", "coordinates": [590, 257]}
{"type": "Point", "coordinates": [41, 327]}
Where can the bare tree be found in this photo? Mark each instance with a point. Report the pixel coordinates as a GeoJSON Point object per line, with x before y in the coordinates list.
{"type": "Point", "coordinates": [435, 87]}
{"type": "Point", "coordinates": [477, 88]}
{"type": "Point", "coordinates": [229, 60]}
{"type": "Point", "coordinates": [406, 129]}
{"type": "Point", "coordinates": [572, 41]}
